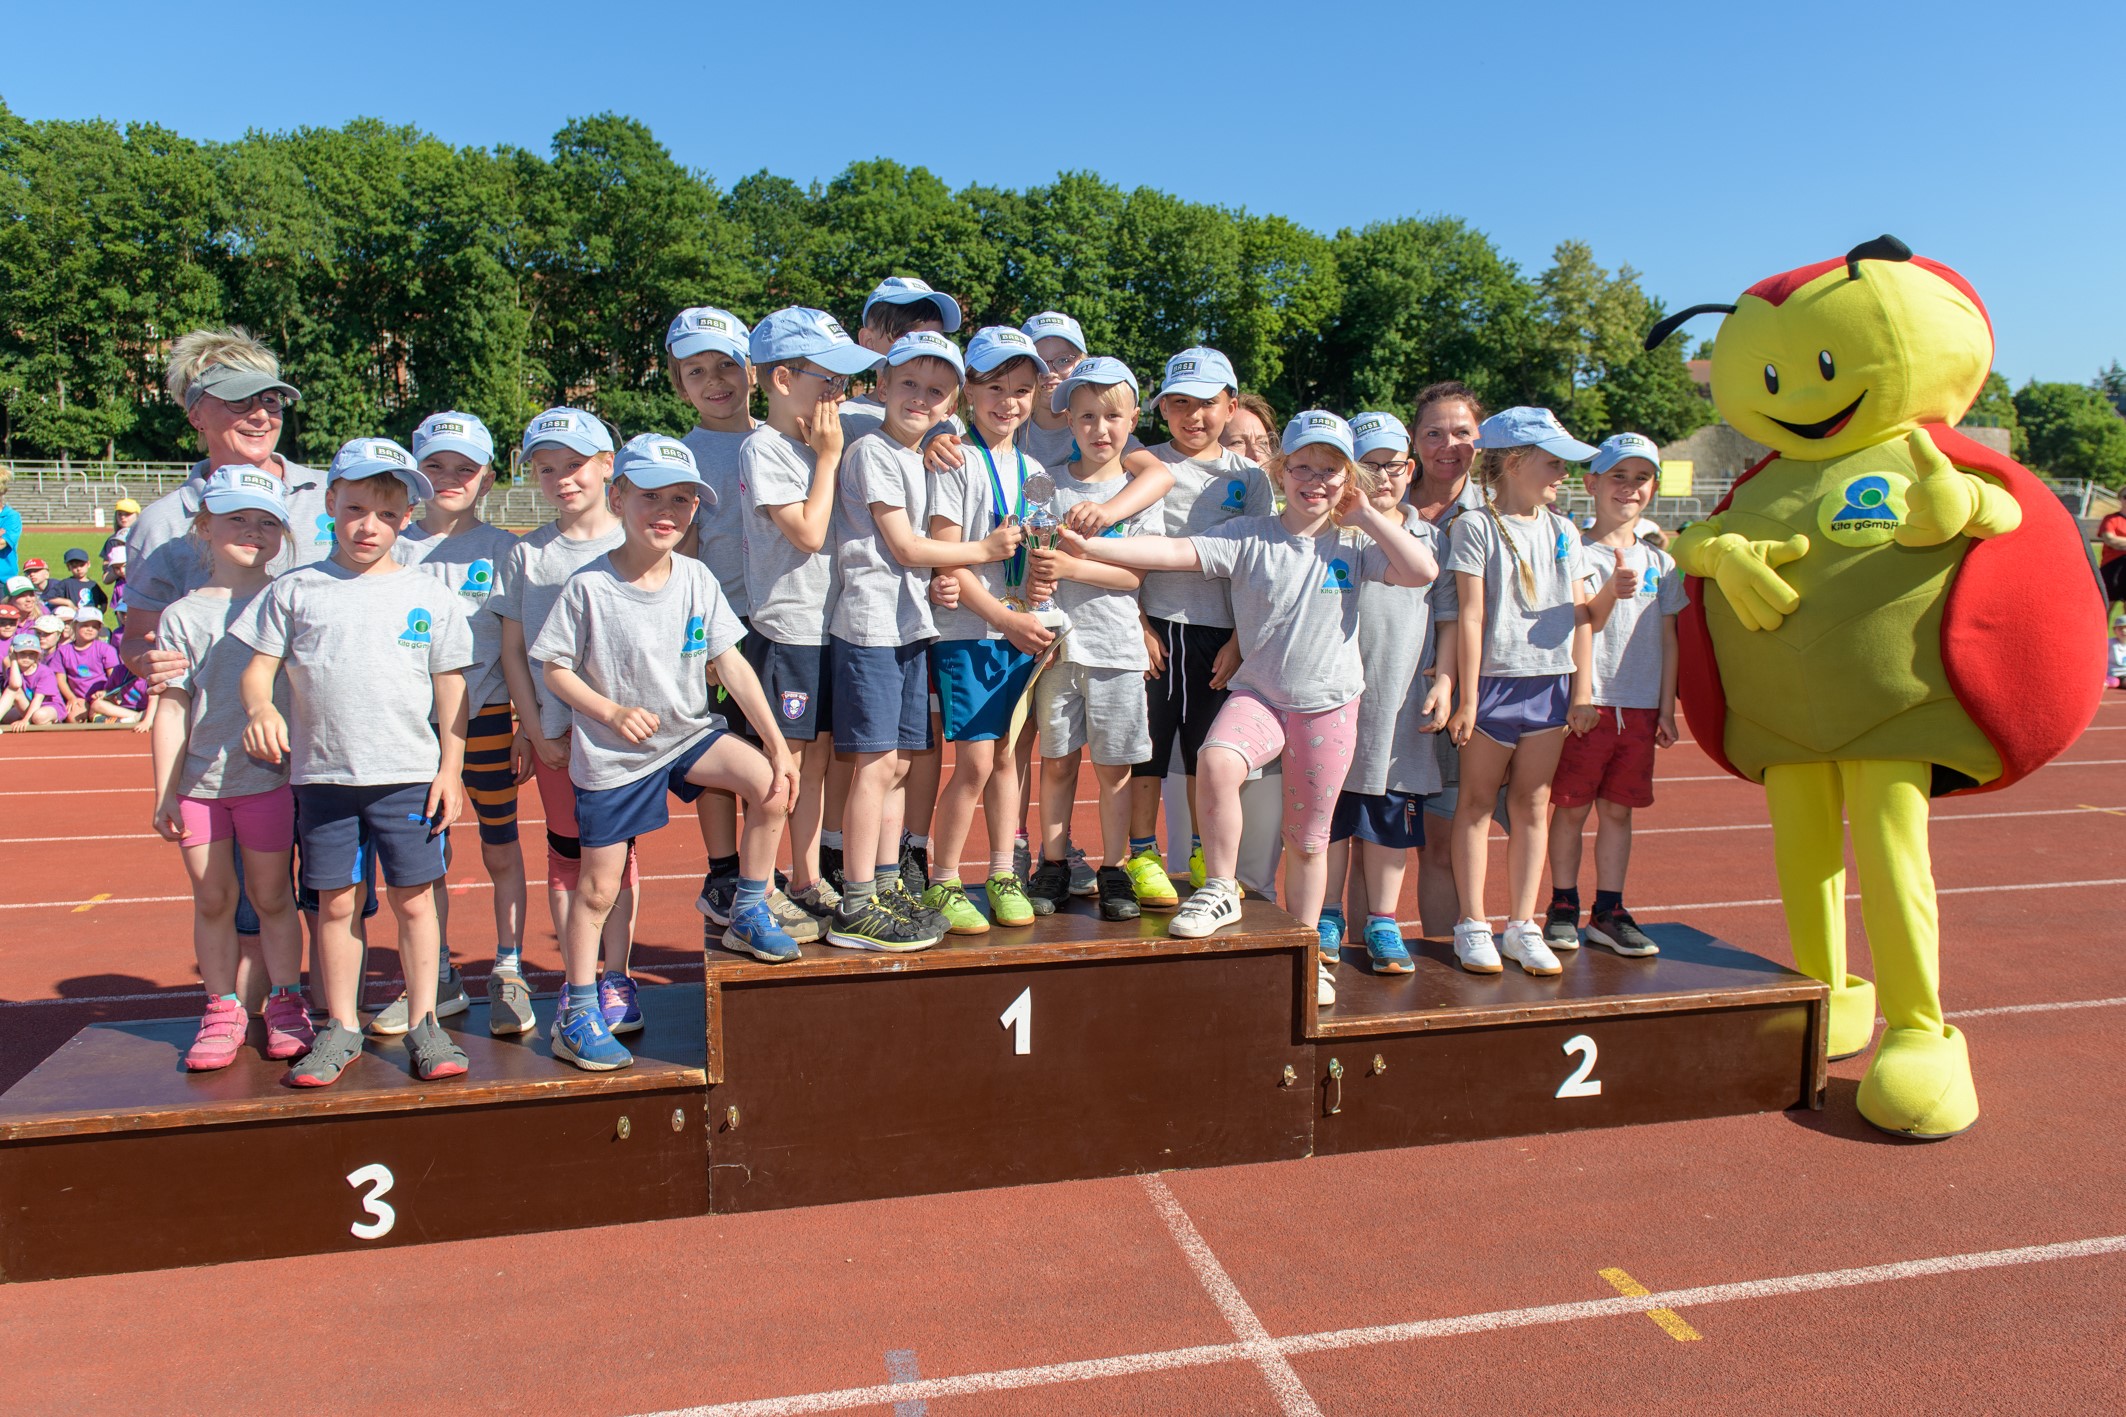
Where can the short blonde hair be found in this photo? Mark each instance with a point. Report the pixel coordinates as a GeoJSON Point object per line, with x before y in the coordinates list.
{"type": "Point", "coordinates": [195, 353]}
{"type": "Point", "coordinates": [1112, 398]}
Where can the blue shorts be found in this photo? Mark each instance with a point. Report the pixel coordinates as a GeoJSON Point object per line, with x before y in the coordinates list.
{"type": "Point", "coordinates": [351, 834]}
{"type": "Point", "coordinates": [1392, 819]}
{"type": "Point", "coordinates": [1507, 710]}
{"type": "Point", "coordinates": [608, 816]}
{"type": "Point", "coordinates": [794, 677]}
{"type": "Point", "coordinates": [881, 696]}
{"type": "Point", "coordinates": [979, 683]}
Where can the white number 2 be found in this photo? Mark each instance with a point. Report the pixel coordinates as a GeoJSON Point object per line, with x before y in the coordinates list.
{"type": "Point", "coordinates": [378, 1177]}
{"type": "Point", "coordinates": [1019, 1019]}
{"type": "Point", "coordinates": [1579, 1084]}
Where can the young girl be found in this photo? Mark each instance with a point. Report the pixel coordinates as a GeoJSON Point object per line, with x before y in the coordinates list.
{"type": "Point", "coordinates": [32, 696]}
{"type": "Point", "coordinates": [1294, 585]}
{"type": "Point", "coordinates": [2115, 663]}
{"type": "Point", "coordinates": [1525, 669]}
{"type": "Point", "coordinates": [213, 799]}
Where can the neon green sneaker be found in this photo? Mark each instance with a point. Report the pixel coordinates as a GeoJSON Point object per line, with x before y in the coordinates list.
{"type": "Point", "coordinates": [1007, 900]}
{"type": "Point", "coordinates": [1148, 878]}
{"type": "Point", "coordinates": [1196, 874]}
{"type": "Point", "coordinates": [949, 899]}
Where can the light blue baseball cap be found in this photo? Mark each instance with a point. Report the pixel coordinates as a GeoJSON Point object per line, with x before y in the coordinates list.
{"type": "Point", "coordinates": [454, 432]}
{"type": "Point", "coordinates": [1198, 372]}
{"type": "Point", "coordinates": [569, 428]}
{"type": "Point", "coordinates": [700, 328]}
{"type": "Point", "coordinates": [1000, 344]}
{"type": "Point", "coordinates": [24, 642]}
{"type": "Point", "coordinates": [1099, 372]}
{"type": "Point", "coordinates": [1524, 427]}
{"type": "Point", "coordinates": [239, 487]}
{"type": "Point", "coordinates": [653, 460]}
{"type": "Point", "coordinates": [907, 290]}
{"type": "Point", "coordinates": [926, 344]}
{"type": "Point", "coordinates": [1371, 432]}
{"type": "Point", "coordinates": [1619, 446]}
{"type": "Point", "coordinates": [379, 457]}
{"type": "Point", "coordinates": [800, 332]}
{"type": "Point", "coordinates": [1054, 324]}
{"type": "Point", "coordinates": [1317, 425]}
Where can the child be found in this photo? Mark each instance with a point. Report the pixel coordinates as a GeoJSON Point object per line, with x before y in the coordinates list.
{"type": "Point", "coordinates": [2115, 664]}
{"type": "Point", "coordinates": [1293, 594]}
{"type": "Point", "coordinates": [33, 695]}
{"type": "Point", "coordinates": [370, 649]}
{"type": "Point", "coordinates": [1610, 766]}
{"type": "Point", "coordinates": [1059, 343]}
{"type": "Point", "coordinates": [879, 635]}
{"type": "Point", "coordinates": [1523, 669]}
{"type": "Point", "coordinates": [899, 305]}
{"type": "Point", "coordinates": [1393, 765]}
{"type": "Point", "coordinates": [77, 587]}
{"type": "Point", "coordinates": [87, 665]}
{"type": "Point", "coordinates": [627, 648]}
{"type": "Point", "coordinates": [216, 802]}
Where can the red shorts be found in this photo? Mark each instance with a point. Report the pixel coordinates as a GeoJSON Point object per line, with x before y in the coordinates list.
{"type": "Point", "coordinates": [1613, 761]}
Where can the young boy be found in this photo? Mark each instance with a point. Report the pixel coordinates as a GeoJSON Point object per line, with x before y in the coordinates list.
{"type": "Point", "coordinates": [1611, 766]}
{"type": "Point", "coordinates": [77, 587]}
{"type": "Point", "coordinates": [788, 474]}
{"type": "Point", "coordinates": [900, 305]}
{"type": "Point", "coordinates": [87, 665]}
{"type": "Point", "coordinates": [370, 650]}
{"type": "Point", "coordinates": [627, 649]}
{"type": "Point", "coordinates": [879, 637]}
{"type": "Point", "coordinates": [32, 695]}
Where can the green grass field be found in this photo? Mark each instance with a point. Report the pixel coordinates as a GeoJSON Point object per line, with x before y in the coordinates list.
{"type": "Point", "coordinates": [51, 545]}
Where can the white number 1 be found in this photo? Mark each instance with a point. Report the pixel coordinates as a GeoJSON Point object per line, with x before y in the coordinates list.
{"type": "Point", "coordinates": [1579, 1084]}
{"type": "Point", "coordinates": [378, 1177]}
{"type": "Point", "coordinates": [1019, 1019]}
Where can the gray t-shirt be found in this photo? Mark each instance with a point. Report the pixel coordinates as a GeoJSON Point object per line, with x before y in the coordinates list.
{"type": "Point", "coordinates": [1296, 603]}
{"type": "Point", "coordinates": [1397, 644]}
{"type": "Point", "coordinates": [864, 415]}
{"type": "Point", "coordinates": [641, 649]}
{"type": "Point", "coordinates": [965, 497]}
{"type": "Point", "coordinates": [721, 518]}
{"type": "Point", "coordinates": [361, 653]}
{"type": "Point", "coordinates": [1104, 630]}
{"type": "Point", "coordinates": [215, 763]}
{"type": "Point", "coordinates": [880, 601]}
{"type": "Point", "coordinates": [469, 564]}
{"type": "Point", "coordinates": [165, 562]}
{"type": "Point", "coordinates": [538, 565]}
{"type": "Point", "coordinates": [1525, 636]}
{"type": "Point", "coordinates": [1051, 447]}
{"type": "Point", "coordinates": [791, 591]}
{"type": "Point", "coordinates": [1627, 650]}
{"type": "Point", "coordinates": [1207, 492]}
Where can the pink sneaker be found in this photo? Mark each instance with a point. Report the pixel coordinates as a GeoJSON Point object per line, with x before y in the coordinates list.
{"type": "Point", "coordinates": [288, 1030]}
{"type": "Point", "coordinates": [221, 1033]}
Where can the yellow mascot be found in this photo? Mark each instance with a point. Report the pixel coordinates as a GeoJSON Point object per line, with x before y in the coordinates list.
{"type": "Point", "coordinates": [1901, 613]}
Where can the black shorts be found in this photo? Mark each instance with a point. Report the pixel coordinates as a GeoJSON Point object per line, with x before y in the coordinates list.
{"type": "Point", "coordinates": [1180, 704]}
{"type": "Point", "coordinates": [2114, 576]}
{"type": "Point", "coordinates": [794, 677]}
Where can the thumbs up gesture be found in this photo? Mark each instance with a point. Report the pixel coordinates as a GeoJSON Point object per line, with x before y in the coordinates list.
{"type": "Point", "coordinates": [1942, 502]}
{"type": "Point", "coordinates": [1623, 580]}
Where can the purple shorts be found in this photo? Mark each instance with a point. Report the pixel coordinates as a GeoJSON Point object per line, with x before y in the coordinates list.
{"type": "Point", "coordinates": [1507, 710]}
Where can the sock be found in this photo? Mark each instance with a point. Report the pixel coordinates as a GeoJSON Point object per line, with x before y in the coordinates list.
{"type": "Point", "coordinates": [1195, 844]}
{"type": "Point", "coordinates": [278, 989]}
{"type": "Point", "coordinates": [831, 840]}
{"type": "Point", "coordinates": [1513, 925]}
{"type": "Point", "coordinates": [750, 892]}
{"type": "Point", "coordinates": [951, 880]}
{"type": "Point", "coordinates": [1565, 898]}
{"type": "Point", "coordinates": [887, 874]}
{"type": "Point", "coordinates": [443, 961]}
{"type": "Point", "coordinates": [1335, 910]}
{"type": "Point", "coordinates": [1143, 843]}
{"type": "Point", "coordinates": [1608, 900]}
{"type": "Point", "coordinates": [723, 867]}
{"type": "Point", "coordinates": [1001, 863]}
{"type": "Point", "coordinates": [230, 998]}
{"type": "Point", "coordinates": [920, 843]}
{"type": "Point", "coordinates": [510, 957]}
{"type": "Point", "coordinates": [857, 894]}
{"type": "Point", "coordinates": [577, 997]}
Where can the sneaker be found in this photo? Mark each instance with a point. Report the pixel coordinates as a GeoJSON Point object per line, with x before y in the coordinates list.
{"type": "Point", "coordinates": [949, 900]}
{"type": "Point", "coordinates": [915, 868]}
{"type": "Point", "coordinates": [718, 893]}
{"type": "Point", "coordinates": [1616, 929]}
{"type": "Point", "coordinates": [1324, 983]}
{"type": "Point", "coordinates": [830, 867]}
{"type": "Point", "coordinates": [619, 1004]}
{"type": "Point", "coordinates": [221, 1033]}
{"type": "Point", "coordinates": [509, 1004]}
{"type": "Point", "coordinates": [1050, 883]}
{"type": "Point", "coordinates": [1084, 880]}
{"type": "Point", "coordinates": [580, 1036]}
{"type": "Point", "coordinates": [1561, 927]}
{"type": "Point", "coordinates": [1148, 878]}
{"type": "Point", "coordinates": [1385, 949]}
{"type": "Point", "coordinates": [1022, 858]}
{"type": "Point", "coordinates": [1216, 905]}
{"type": "Point", "coordinates": [1008, 904]}
{"type": "Point", "coordinates": [796, 922]}
{"type": "Point", "coordinates": [335, 1048]}
{"type": "Point", "coordinates": [931, 923]}
{"type": "Point", "coordinates": [1524, 946]}
{"type": "Point", "coordinates": [1331, 930]}
{"type": "Point", "coordinates": [818, 900]}
{"type": "Point", "coordinates": [288, 1030]}
{"type": "Point", "coordinates": [1474, 948]}
{"type": "Point", "coordinates": [1118, 898]}
{"type": "Point", "coordinates": [1196, 873]}
{"type": "Point", "coordinates": [754, 930]}
{"type": "Point", "coordinates": [432, 1052]}
{"type": "Point", "coordinates": [450, 1000]}
{"type": "Point", "coordinates": [873, 926]}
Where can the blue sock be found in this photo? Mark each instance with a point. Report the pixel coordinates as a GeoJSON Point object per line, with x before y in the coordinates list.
{"type": "Point", "coordinates": [577, 997]}
{"type": "Point", "coordinates": [278, 989]}
{"type": "Point", "coordinates": [510, 957]}
{"type": "Point", "coordinates": [1335, 910]}
{"type": "Point", "coordinates": [1143, 843]}
{"type": "Point", "coordinates": [750, 892]}
{"type": "Point", "coordinates": [1195, 843]}
{"type": "Point", "coordinates": [227, 999]}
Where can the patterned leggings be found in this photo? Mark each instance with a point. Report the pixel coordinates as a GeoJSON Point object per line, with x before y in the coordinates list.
{"type": "Point", "coordinates": [1317, 757]}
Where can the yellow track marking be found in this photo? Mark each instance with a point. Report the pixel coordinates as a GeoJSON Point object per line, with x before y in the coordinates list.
{"type": "Point", "coordinates": [2107, 811]}
{"type": "Point", "coordinates": [1670, 1321]}
{"type": "Point", "coordinates": [92, 900]}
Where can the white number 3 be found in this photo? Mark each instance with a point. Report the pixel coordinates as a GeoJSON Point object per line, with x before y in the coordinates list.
{"type": "Point", "coordinates": [378, 1177]}
{"type": "Point", "coordinates": [1579, 1084]}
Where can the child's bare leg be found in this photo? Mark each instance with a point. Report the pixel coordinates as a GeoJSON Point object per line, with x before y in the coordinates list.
{"type": "Point", "coordinates": [717, 814]}
{"type": "Point", "coordinates": [865, 830]}
{"type": "Point", "coordinates": [1528, 813]}
{"type": "Point", "coordinates": [1337, 869]}
{"type": "Point", "coordinates": [1214, 799]}
{"type": "Point", "coordinates": [419, 941]}
{"type": "Point", "coordinates": [1059, 777]}
{"type": "Point", "coordinates": [920, 785]}
{"type": "Point", "coordinates": [1000, 810]}
{"type": "Point", "coordinates": [1566, 824]}
{"type": "Point", "coordinates": [1612, 846]}
{"type": "Point", "coordinates": [808, 816]}
{"type": "Point", "coordinates": [1438, 901]}
{"type": "Point", "coordinates": [504, 863]}
{"type": "Point", "coordinates": [1114, 810]}
{"type": "Point", "coordinates": [212, 867]}
{"type": "Point", "coordinates": [735, 766]}
{"type": "Point", "coordinates": [339, 954]}
{"type": "Point", "coordinates": [618, 940]}
{"type": "Point", "coordinates": [598, 890]}
{"type": "Point", "coordinates": [280, 926]}
{"type": "Point", "coordinates": [973, 778]}
{"type": "Point", "coordinates": [1381, 870]}
{"type": "Point", "coordinates": [1485, 762]}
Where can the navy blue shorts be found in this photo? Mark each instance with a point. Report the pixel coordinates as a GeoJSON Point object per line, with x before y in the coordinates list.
{"type": "Point", "coordinates": [979, 683]}
{"type": "Point", "coordinates": [881, 696]}
{"type": "Point", "coordinates": [1395, 820]}
{"type": "Point", "coordinates": [608, 816]}
{"type": "Point", "coordinates": [794, 677]}
{"type": "Point", "coordinates": [1507, 710]}
{"type": "Point", "coordinates": [351, 834]}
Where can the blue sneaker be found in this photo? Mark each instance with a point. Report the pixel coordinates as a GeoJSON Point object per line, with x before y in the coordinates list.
{"type": "Point", "coordinates": [754, 931]}
{"type": "Point", "coordinates": [1332, 931]}
{"type": "Point", "coordinates": [1385, 948]}
{"type": "Point", "coordinates": [618, 1005]}
{"type": "Point", "coordinates": [580, 1036]}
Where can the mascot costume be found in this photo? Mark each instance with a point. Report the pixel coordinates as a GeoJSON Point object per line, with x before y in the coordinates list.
{"type": "Point", "coordinates": [1881, 612]}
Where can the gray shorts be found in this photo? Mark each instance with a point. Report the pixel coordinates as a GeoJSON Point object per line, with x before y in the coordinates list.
{"type": "Point", "coordinates": [1079, 706]}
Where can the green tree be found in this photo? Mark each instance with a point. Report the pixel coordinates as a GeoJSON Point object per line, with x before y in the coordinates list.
{"type": "Point", "coordinates": [2111, 383]}
{"type": "Point", "coordinates": [2073, 432]}
{"type": "Point", "coordinates": [1995, 408]}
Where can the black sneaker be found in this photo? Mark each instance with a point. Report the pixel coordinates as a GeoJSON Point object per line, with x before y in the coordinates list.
{"type": "Point", "coordinates": [718, 894]}
{"type": "Point", "coordinates": [915, 869]}
{"type": "Point", "coordinates": [1118, 898]}
{"type": "Point", "coordinates": [1561, 927]}
{"type": "Point", "coordinates": [930, 924]}
{"type": "Point", "coordinates": [830, 866]}
{"type": "Point", "coordinates": [1051, 882]}
{"type": "Point", "coordinates": [1616, 929]}
{"type": "Point", "coordinates": [873, 926]}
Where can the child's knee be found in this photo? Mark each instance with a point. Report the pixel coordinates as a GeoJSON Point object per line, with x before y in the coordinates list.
{"type": "Point", "coordinates": [1306, 841]}
{"type": "Point", "coordinates": [412, 902]}
{"type": "Point", "coordinates": [501, 859]}
{"type": "Point", "coordinates": [564, 861]}
{"type": "Point", "coordinates": [1614, 814]}
{"type": "Point", "coordinates": [215, 899]}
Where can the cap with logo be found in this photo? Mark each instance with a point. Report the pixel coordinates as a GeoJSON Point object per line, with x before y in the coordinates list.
{"type": "Point", "coordinates": [1198, 372]}
{"type": "Point", "coordinates": [49, 624]}
{"type": "Point", "coordinates": [1372, 432]}
{"type": "Point", "coordinates": [233, 385]}
{"type": "Point", "coordinates": [651, 460]}
{"type": "Point", "coordinates": [995, 345]}
{"type": "Point", "coordinates": [126, 504]}
{"type": "Point", "coordinates": [569, 428]}
{"type": "Point", "coordinates": [20, 585]}
{"type": "Point", "coordinates": [75, 553]}
{"type": "Point", "coordinates": [1619, 446]}
{"type": "Point", "coordinates": [1525, 427]}
{"type": "Point", "coordinates": [24, 642]}
{"type": "Point", "coordinates": [699, 329]}
{"type": "Point", "coordinates": [379, 457]}
{"type": "Point", "coordinates": [1317, 425]}
{"type": "Point", "coordinates": [239, 486]}
{"type": "Point", "coordinates": [1054, 324]}
{"type": "Point", "coordinates": [800, 332]}
{"type": "Point", "coordinates": [907, 290]}
{"type": "Point", "coordinates": [926, 344]}
{"type": "Point", "coordinates": [454, 432]}
{"type": "Point", "coordinates": [1101, 372]}
{"type": "Point", "coordinates": [35, 563]}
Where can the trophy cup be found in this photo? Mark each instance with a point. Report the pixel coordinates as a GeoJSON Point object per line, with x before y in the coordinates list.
{"type": "Point", "coordinates": [1041, 523]}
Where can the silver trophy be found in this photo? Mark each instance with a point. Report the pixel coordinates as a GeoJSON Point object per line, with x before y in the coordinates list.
{"type": "Point", "coordinates": [1041, 523]}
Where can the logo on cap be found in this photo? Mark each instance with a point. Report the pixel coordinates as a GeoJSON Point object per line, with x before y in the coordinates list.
{"type": "Point", "coordinates": [441, 426]}
{"type": "Point", "coordinates": [550, 425]}
{"type": "Point", "coordinates": [1045, 320]}
{"type": "Point", "coordinates": [711, 322]}
{"type": "Point", "coordinates": [1369, 425]}
{"type": "Point", "coordinates": [387, 452]}
{"type": "Point", "coordinates": [258, 481]}
{"type": "Point", "coordinates": [1321, 420]}
{"type": "Point", "coordinates": [673, 452]}
{"type": "Point", "coordinates": [833, 327]}
{"type": "Point", "coordinates": [1180, 366]}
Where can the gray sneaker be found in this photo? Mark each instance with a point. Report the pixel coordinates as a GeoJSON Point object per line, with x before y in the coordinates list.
{"type": "Point", "coordinates": [797, 922]}
{"type": "Point", "coordinates": [336, 1047]}
{"type": "Point", "coordinates": [432, 1052]}
{"type": "Point", "coordinates": [451, 1001]}
{"type": "Point", "coordinates": [1084, 880]}
{"type": "Point", "coordinates": [818, 899]}
{"type": "Point", "coordinates": [509, 1004]}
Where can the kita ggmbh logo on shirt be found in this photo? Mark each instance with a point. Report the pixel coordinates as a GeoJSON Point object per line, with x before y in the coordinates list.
{"type": "Point", "coordinates": [418, 624]}
{"type": "Point", "coordinates": [1650, 580]}
{"type": "Point", "coordinates": [697, 641]}
{"type": "Point", "coordinates": [324, 532]}
{"type": "Point", "coordinates": [1564, 551]}
{"type": "Point", "coordinates": [1236, 496]}
{"type": "Point", "coordinates": [1338, 580]}
{"type": "Point", "coordinates": [479, 578]}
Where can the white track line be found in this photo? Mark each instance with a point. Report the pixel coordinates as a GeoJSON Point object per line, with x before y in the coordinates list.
{"type": "Point", "coordinates": [2055, 763]}
{"type": "Point", "coordinates": [2036, 1008]}
{"type": "Point", "coordinates": [1136, 1364]}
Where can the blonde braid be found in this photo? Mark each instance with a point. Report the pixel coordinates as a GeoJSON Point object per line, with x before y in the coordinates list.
{"type": "Point", "coordinates": [1490, 469]}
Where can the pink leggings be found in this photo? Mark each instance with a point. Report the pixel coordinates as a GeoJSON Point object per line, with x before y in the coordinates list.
{"type": "Point", "coordinates": [564, 849]}
{"type": "Point", "coordinates": [1317, 757]}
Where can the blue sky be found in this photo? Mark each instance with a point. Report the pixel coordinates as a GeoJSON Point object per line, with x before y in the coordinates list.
{"type": "Point", "coordinates": [1706, 145]}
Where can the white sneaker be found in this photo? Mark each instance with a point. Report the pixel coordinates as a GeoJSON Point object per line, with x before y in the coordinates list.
{"type": "Point", "coordinates": [1211, 908]}
{"type": "Point", "coordinates": [1524, 946]}
{"type": "Point", "coordinates": [1473, 947]}
{"type": "Point", "coordinates": [1324, 983]}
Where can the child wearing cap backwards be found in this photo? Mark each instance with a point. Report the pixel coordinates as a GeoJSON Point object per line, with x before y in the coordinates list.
{"type": "Point", "coordinates": [1610, 766]}
{"type": "Point", "coordinates": [214, 800]}
{"type": "Point", "coordinates": [1294, 584]}
{"type": "Point", "coordinates": [627, 648]}
{"type": "Point", "coordinates": [370, 648]}
{"type": "Point", "coordinates": [1524, 669]}
{"type": "Point", "coordinates": [33, 695]}
{"type": "Point", "coordinates": [1394, 767]}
